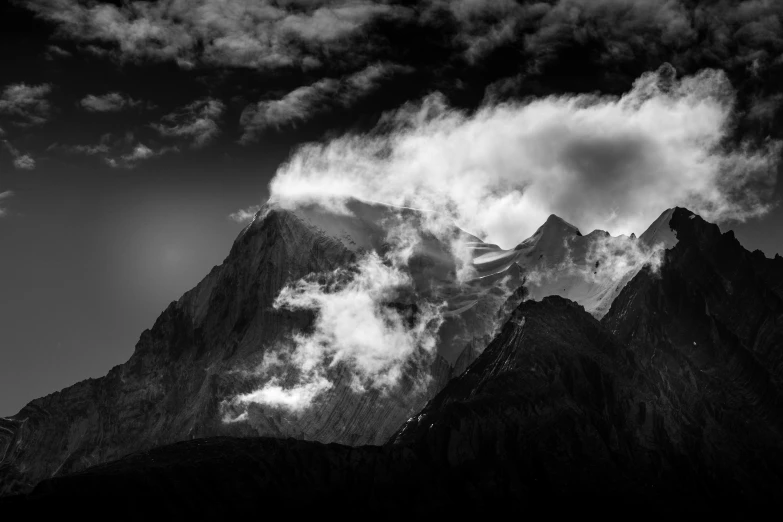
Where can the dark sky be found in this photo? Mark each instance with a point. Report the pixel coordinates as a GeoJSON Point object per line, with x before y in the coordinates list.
{"type": "Point", "coordinates": [132, 130]}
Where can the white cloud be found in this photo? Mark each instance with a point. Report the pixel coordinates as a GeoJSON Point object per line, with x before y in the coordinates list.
{"type": "Point", "coordinates": [196, 121]}
{"type": "Point", "coordinates": [24, 162]}
{"type": "Point", "coordinates": [295, 398]}
{"type": "Point", "coordinates": [109, 102]}
{"type": "Point", "coordinates": [245, 215]}
{"type": "Point", "coordinates": [25, 105]}
{"type": "Point", "coordinates": [605, 162]}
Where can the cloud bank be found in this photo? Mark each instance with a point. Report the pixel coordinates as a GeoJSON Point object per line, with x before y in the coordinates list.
{"type": "Point", "coordinates": [606, 162]}
{"type": "Point", "coordinates": [244, 33]}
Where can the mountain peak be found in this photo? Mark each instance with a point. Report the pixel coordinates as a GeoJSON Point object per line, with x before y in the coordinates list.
{"type": "Point", "coordinates": [556, 221]}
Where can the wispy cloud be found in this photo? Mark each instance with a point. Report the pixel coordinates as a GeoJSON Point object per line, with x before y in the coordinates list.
{"type": "Point", "coordinates": [603, 162]}
{"type": "Point", "coordinates": [4, 195]}
{"type": "Point", "coordinates": [245, 215]}
{"type": "Point", "coordinates": [21, 161]}
{"type": "Point", "coordinates": [25, 105]}
{"type": "Point", "coordinates": [139, 153]}
{"type": "Point", "coordinates": [109, 102]}
{"type": "Point", "coordinates": [55, 51]}
{"type": "Point", "coordinates": [197, 122]}
{"type": "Point", "coordinates": [124, 152]}
{"type": "Point", "coordinates": [305, 102]}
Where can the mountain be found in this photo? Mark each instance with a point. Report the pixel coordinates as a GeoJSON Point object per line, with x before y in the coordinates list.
{"type": "Point", "coordinates": [668, 406]}
{"type": "Point", "coordinates": [206, 348]}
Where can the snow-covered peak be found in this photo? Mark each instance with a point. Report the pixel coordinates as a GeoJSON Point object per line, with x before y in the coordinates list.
{"type": "Point", "coordinates": [660, 231]}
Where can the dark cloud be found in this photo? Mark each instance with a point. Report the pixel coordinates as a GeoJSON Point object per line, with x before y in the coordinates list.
{"type": "Point", "coordinates": [246, 33]}
{"type": "Point", "coordinates": [299, 59]}
{"type": "Point", "coordinates": [25, 105]}
{"type": "Point", "coordinates": [197, 122]}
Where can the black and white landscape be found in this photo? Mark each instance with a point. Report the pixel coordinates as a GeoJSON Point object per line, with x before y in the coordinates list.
{"type": "Point", "coordinates": [488, 258]}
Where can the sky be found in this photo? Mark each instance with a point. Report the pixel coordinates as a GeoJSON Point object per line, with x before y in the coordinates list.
{"type": "Point", "coordinates": [134, 134]}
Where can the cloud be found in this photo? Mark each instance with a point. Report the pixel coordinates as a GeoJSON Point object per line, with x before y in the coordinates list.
{"type": "Point", "coordinates": [25, 105]}
{"type": "Point", "coordinates": [606, 162]}
{"type": "Point", "coordinates": [764, 108]}
{"type": "Point", "coordinates": [365, 321]}
{"type": "Point", "coordinates": [109, 102]}
{"type": "Point", "coordinates": [4, 195]}
{"type": "Point", "coordinates": [617, 33]}
{"type": "Point", "coordinates": [21, 161]}
{"type": "Point", "coordinates": [139, 153]}
{"type": "Point", "coordinates": [245, 215]}
{"type": "Point", "coordinates": [124, 152]}
{"type": "Point", "coordinates": [196, 121]}
{"type": "Point", "coordinates": [243, 33]}
{"type": "Point", "coordinates": [305, 102]}
{"type": "Point", "coordinates": [24, 162]}
{"type": "Point", "coordinates": [55, 51]}
{"type": "Point", "coordinates": [294, 398]}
